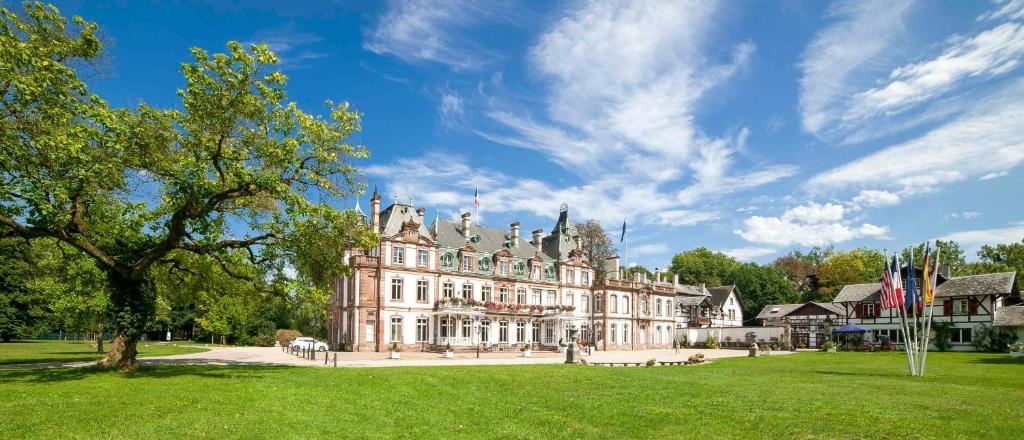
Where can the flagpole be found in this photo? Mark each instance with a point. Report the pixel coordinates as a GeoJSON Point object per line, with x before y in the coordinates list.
{"type": "Point", "coordinates": [903, 321]}
{"type": "Point", "coordinates": [894, 300]}
{"type": "Point", "coordinates": [931, 307]}
{"type": "Point", "coordinates": [911, 271]}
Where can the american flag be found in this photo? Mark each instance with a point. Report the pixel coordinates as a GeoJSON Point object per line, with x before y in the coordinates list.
{"type": "Point", "coordinates": [888, 298]}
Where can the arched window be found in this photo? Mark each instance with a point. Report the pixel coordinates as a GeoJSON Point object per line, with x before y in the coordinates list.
{"type": "Point", "coordinates": [613, 304]}
{"type": "Point", "coordinates": [657, 307]}
{"type": "Point", "coordinates": [549, 272]}
{"type": "Point", "coordinates": [625, 304]}
{"type": "Point", "coordinates": [484, 264]}
{"type": "Point", "coordinates": [448, 260]}
{"type": "Point", "coordinates": [520, 268]}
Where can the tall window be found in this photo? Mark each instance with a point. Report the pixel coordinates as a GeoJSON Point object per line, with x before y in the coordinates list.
{"type": "Point", "coordinates": [568, 300]}
{"type": "Point", "coordinates": [643, 305]}
{"type": "Point", "coordinates": [421, 329]}
{"type": "Point", "coordinates": [625, 304]}
{"type": "Point", "coordinates": [585, 304]}
{"type": "Point", "coordinates": [421, 258]}
{"type": "Point", "coordinates": [447, 328]}
{"type": "Point", "coordinates": [503, 294]}
{"type": "Point", "coordinates": [448, 290]}
{"type": "Point", "coordinates": [569, 276]}
{"type": "Point", "coordinates": [598, 303]}
{"type": "Point", "coordinates": [536, 296]}
{"type": "Point", "coordinates": [521, 296]}
{"type": "Point", "coordinates": [586, 278]}
{"type": "Point", "coordinates": [467, 328]}
{"type": "Point", "coordinates": [535, 272]}
{"type": "Point", "coordinates": [615, 331]}
{"type": "Point", "coordinates": [397, 255]}
{"type": "Point", "coordinates": [467, 263]}
{"type": "Point", "coordinates": [668, 307]}
{"type": "Point", "coordinates": [657, 307]}
{"type": "Point", "coordinates": [520, 331]}
{"type": "Point", "coordinates": [396, 329]}
{"type": "Point", "coordinates": [503, 267]}
{"type": "Point", "coordinates": [732, 314]}
{"type": "Point", "coordinates": [422, 290]}
{"type": "Point", "coordinates": [613, 304]}
{"type": "Point", "coordinates": [485, 292]}
{"type": "Point", "coordinates": [625, 333]}
{"type": "Point", "coordinates": [467, 290]}
{"type": "Point", "coordinates": [536, 333]}
{"type": "Point", "coordinates": [396, 289]}
{"type": "Point", "coordinates": [551, 297]}
{"type": "Point", "coordinates": [503, 331]}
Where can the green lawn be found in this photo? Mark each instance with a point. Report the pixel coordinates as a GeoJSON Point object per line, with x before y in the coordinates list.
{"type": "Point", "coordinates": [33, 352]}
{"type": "Point", "coordinates": [809, 395]}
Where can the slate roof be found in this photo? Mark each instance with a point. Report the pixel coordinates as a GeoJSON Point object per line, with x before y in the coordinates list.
{"type": "Point", "coordinates": [720, 294]}
{"type": "Point", "coordinates": [686, 289]}
{"type": "Point", "coordinates": [859, 292]}
{"type": "Point", "coordinates": [687, 300]}
{"type": "Point", "coordinates": [785, 309]}
{"type": "Point", "coordinates": [987, 284]}
{"type": "Point", "coordinates": [449, 234]}
{"type": "Point", "coordinates": [1012, 316]}
{"type": "Point", "coordinates": [393, 216]}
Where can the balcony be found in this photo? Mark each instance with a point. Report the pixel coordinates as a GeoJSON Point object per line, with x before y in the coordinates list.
{"type": "Point", "coordinates": [365, 260]}
{"type": "Point", "coordinates": [472, 306]}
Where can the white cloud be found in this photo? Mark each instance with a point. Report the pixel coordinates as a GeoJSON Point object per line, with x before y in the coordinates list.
{"type": "Point", "coordinates": [875, 199]}
{"type": "Point", "coordinates": [807, 225]}
{"type": "Point", "coordinates": [979, 143]}
{"type": "Point", "coordinates": [294, 49]}
{"type": "Point", "coordinates": [974, 239]}
{"type": "Point", "coordinates": [429, 30]}
{"type": "Point", "coordinates": [967, 215]}
{"type": "Point", "coordinates": [683, 217]}
{"type": "Point", "coordinates": [748, 253]}
{"type": "Point", "coordinates": [450, 108]}
{"type": "Point", "coordinates": [1012, 9]}
{"type": "Point", "coordinates": [994, 175]}
{"type": "Point", "coordinates": [992, 52]}
{"type": "Point", "coordinates": [860, 36]}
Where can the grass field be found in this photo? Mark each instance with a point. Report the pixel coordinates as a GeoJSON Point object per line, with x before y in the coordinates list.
{"type": "Point", "coordinates": [34, 352]}
{"type": "Point", "coordinates": [809, 395]}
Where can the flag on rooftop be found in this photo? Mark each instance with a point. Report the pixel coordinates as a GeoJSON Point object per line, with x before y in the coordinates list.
{"type": "Point", "coordinates": [623, 236]}
{"type": "Point", "coordinates": [476, 197]}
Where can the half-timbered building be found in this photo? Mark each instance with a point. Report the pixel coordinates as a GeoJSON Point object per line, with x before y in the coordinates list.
{"type": "Point", "coordinates": [810, 323]}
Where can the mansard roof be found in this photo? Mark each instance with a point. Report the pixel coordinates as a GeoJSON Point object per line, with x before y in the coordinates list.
{"type": "Point", "coordinates": [449, 234]}
{"type": "Point", "coordinates": [392, 218]}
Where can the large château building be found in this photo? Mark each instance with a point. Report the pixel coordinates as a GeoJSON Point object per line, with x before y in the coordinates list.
{"type": "Point", "coordinates": [468, 286]}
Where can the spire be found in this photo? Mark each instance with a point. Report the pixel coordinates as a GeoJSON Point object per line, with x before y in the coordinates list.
{"type": "Point", "coordinates": [375, 193]}
{"type": "Point", "coordinates": [359, 210]}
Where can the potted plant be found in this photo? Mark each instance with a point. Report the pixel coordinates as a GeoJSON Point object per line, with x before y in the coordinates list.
{"type": "Point", "coordinates": [395, 350]}
{"type": "Point", "coordinates": [527, 351]}
{"type": "Point", "coordinates": [829, 346]}
{"type": "Point", "coordinates": [1016, 349]}
{"type": "Point", "coordinates": [448, 352]}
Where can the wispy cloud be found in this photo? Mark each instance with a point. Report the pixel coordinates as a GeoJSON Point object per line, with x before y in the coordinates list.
{"type": "Point", "coordinates": [749, 253]}
{"type": "Point", "coordinates": [831, 64]}
{"type": "Point", "coordinates": [981, 142]}
{"type": "Point", "coordinates": [432, 30]}
{"type": "Point", "coordinates": [972, 240]}
{"type": "Point", "coordinates": [294, 49]}
{"type": "Point", "coordinates": [1012, 9]}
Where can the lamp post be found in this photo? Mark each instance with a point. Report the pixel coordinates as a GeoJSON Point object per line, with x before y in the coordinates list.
{"type": "Point", "coordinates": [571, 348]}
{"type": "Point", "coordinates": [477, 339]}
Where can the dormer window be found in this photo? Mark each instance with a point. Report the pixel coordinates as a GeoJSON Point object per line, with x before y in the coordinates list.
{"type": "Point", "coordinates": [549, 272]}
{"type": "Point", "coordinates": [569, 277]}
{"type": "Point", "coordinates": [520, 269]}
{"type": "Point", "coordinates": [448, 260]}
{"type": "Point", "coordinates": [421, 257]}
{"type": "Point", "coordinates": [585, 278]}
{"type": "Point", "coordinates": [467, 263]}
{"type": "Point", "coordinates": [397, 255]}
{"type": "Point", "coordinates": [535, 272]}
{"type": "Point", "coordinates": [484, 264]}
{"type": "Point", "coordinates": [503, 267]}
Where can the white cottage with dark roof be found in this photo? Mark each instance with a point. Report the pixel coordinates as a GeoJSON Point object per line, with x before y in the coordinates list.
{"type": "Point", "coordinates": [967, 302]}
{"type": "Point", "coordinates": [464, 285]}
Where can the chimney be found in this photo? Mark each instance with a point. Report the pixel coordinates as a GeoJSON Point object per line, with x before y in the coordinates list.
{"type": "Point", "coordinates": [515, 231]}
{"type": "Point", "coordinates": [465, 224]}
{"type": "Point", "coordinates": [579, 242]}
{"type": "Point", "coordinates": [657, 274]}
{"type": "Point", "coordinates": [675, 279]}
{"type": "Point", "coordinates": [703, 289]}
{"type": "Point", "coordinates": [537, 237]}
{"type": "Point", "coordinates": [375, 211]}
{"type": "Point", "coordinates": [421, 212]}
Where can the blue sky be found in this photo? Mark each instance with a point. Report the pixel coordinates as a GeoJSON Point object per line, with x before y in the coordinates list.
{"type": "Point", "coordinates": [752, 128]}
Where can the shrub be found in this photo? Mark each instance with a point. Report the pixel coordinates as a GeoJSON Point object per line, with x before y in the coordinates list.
{"type": "Point", "coordinates": [264, 340]}
{"type": "Point", "coordinates": [711, 342]}
{"type": "Point", "coordinates": [943, 335]}
{"type": "Point", "coordinates": [1016, 347]}
{"type": "Point", "coordinates": [448, 347]}
{"type": "Point", "coordinates": [395, 347]}
{"type": "Point", "coordinates": [828, 345]}
{"type": "Point", "coordinates": [986, 338]}
{"type": "Point", "coordinates": [684, 343]}
{"type": "Point", "coordinates": [284, 336]}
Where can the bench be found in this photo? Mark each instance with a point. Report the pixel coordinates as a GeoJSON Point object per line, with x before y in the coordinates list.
{"type": "Point", "coordinates": [673, 362]}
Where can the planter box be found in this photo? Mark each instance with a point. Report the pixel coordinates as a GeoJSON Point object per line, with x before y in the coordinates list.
{"type": "Point", "coordinates": [1016, 354]}
{"type": "Point", "coordinates": [449, 355]}
{"type": "Point", "coordinates": [394, 355]}
{"type": "Point", "coordinates": [528, 353]}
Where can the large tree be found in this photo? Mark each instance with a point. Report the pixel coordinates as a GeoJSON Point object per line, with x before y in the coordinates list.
{"type": "Point", "coordinates": [596, 244]}
{"type": "Point", "coordinates": [236, 167]}
{"type": "Point", "coordinates": [950, 258]}
{"type": "Point", "coordinates": [701, 265]}
{"type": "Point", "coordinates": [760, 286]}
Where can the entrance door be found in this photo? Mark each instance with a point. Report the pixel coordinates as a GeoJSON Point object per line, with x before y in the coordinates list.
{"type": "Point", "coordinates": [801, 340]}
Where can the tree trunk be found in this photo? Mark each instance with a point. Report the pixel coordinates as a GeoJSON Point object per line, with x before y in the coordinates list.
{"type": "Point", "coordinates": [133, 304]}
{"type": "Point", "coordinates": [99, 339]}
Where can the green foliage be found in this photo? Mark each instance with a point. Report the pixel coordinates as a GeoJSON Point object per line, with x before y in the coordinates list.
{"type": "Point", "coordinates": [22, 308]}
{"type": "Point", "coordinates": [760, 286]}
{"type": "Point", "coordinates": [284, 336]}
{"type": "Point", "coordinates": [986, 338]}
{"type": "Point", "coordinates": [943, 335]}
{"type": "Point", "coordinates": [860, 265]}
{"type": "Point", "coordinates": [1003, 258]}
{"type": "Point", "coordinates": [951, 257]}
{"type": "Point", "coordinates": [703, 266]}
{"type": "Point", "coordinates": [711, 342]}
{"type": "Point", "coordinates": [596, 244]}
